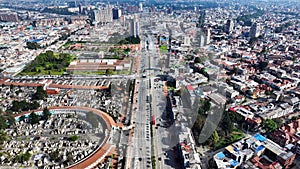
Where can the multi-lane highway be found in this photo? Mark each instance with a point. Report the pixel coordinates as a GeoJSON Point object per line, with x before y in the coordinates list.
{"type": "Point", "coordinates": [164, 138]}
{"type": "Point", "coordinates": [140, 154]}
{"type": "Point", "coordinates": [141, 141]}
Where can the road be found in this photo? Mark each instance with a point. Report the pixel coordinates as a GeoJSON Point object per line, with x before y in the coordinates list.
{"type": "Point", "coordinates": [164, 138]}
{"type": "Point", "coordinates": [141, 142]}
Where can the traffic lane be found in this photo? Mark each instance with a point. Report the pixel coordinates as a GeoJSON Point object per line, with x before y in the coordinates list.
{"type": "Point", "coordinates": [140, 127]}
{"type": "Point", "coordinates": [157, 111]}
{"type": "Point", "coordinates": [144, 124]}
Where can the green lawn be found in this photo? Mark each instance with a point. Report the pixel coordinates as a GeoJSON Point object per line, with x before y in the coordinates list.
{"type": "Point", "coordinates": [48, 63]}
{"type": "Point", "coordinates": [225, 141]}
{"type": "Point", "coordinates": [112, 72]}
{"type": "Point", "coordinates": [163, 48]}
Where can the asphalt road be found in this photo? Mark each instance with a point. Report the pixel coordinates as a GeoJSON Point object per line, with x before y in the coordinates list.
{"type": "Point", "coordinates": [141, 142]}
{"type": "Point", "coordinates": [164, 137]}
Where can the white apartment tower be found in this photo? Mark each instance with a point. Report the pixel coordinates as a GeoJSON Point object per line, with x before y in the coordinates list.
{"type": "Point", "coordinates": [140, 6]}
{"type": "Point", "coordinates": [103, 15]}
{"type": "Point", "coordinates": [207, 36]}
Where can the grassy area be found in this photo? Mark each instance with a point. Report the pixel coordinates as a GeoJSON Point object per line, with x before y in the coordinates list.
{"type": "Point", "coordinates": [131, 66]}
{"type": "Point", "coordinates": [163, 48]}
{"type": "Point", "coordinates": [225, 141]}
{"type": "Point", "coordinates": [48, 63]}
{"type": "Point", "coordinates": [69, 43]}
{"type": "Point", "coordinates": [111, 72]}
{"type": "Point", "coordinates": [119, 53]}
{"type": "Point", "coordinates": [88, 73]}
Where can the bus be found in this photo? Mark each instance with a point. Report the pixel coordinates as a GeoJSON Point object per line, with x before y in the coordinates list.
{"type": "Point", "coordinates": [153, 120]}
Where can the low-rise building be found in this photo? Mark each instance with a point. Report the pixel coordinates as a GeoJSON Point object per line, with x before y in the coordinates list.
{"type": "Point", "coordinates": [257, 151]}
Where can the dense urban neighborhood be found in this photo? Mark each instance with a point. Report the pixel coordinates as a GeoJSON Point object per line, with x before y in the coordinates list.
{"type": "Point", "coordinates": [152, 84]}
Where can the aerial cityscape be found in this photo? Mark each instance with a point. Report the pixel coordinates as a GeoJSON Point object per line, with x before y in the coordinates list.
{"type": "Point", "coordinates": [150, 84]}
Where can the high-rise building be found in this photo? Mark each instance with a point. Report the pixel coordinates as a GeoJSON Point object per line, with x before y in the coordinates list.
{"type": "Point", "coordinates": [80, 8]}
{"type": "Point", "coordinates": [254, 30]}
{"type": "Point", "coordinates": [229, 26]}
{"type": "Point", "coordinates": [132, 9]}
{"type": "Point", "coordinates": [9, 17]}
{"type": "Point", "coordinates": [152, 8]}
{"type": "Point", "coordinates": [207, 36]}
{"type": "Point", "coordinates": [116, 13]}
{"type": "Point", "coordinates": [140, 6]}
{"type": "Point", "coordinates": [187, 41]}
{"type": "Point", "coordinates": [103, 15]}
{"type": "Point", "coordinates": [201, 19]}
{"type": "Point", "coordinates": [133, 25]}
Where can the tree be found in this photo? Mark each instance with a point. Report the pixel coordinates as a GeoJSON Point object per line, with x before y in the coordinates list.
{"type": "Point", "coordinates": [227, 124]}
{"type": "Point", "coordinates": [253, 40]}
{"type": "Point", "coordinates": [70, 157]}
{"type": "Point", "coordinates": [27, 156]}
{"type": "Point", "coordinates": [22, 118]}
{"type": "Point", "coordinates": [262, 65]}
{"type": "Point", "coordinates": [46, 114]}
{"type": "Point", "coordinates": [3, 137]}
{"type": "Point", "coordinates": [11, 87]}
{"type": "Point", "coordinates": [206, 105]}
{"type": "Point", "coordinates": [10, 120]}
{"type": "Point", "coordinates": [54, 155]}
{"type": "Point", "coordinates": [197, 60]}
{"type": "Point", "coordinates": [278, 121]}
{"type": "Point", "coordinates": [32, 45]}
{"type": "Point", "coordinates": [24, 106]}
{"type": "Point", "coordinates": [269, 125]}
{"type": "Point", "coordinates": [127, 50]}
{"type": "Point", "coordinates": [3, 124]}
{"type": "Point", "coordinates": [109, 72]}
{"type": "Point", "coordinates": [73, 138]}
{"type": "Point", "coordinates": [33, 118]}
{"type": "Point", "coordinates": [214, 138]}
{"type": "Point", "coordinates": [40, 93]}
{"type": "Point", "coordinates": [22, 157]}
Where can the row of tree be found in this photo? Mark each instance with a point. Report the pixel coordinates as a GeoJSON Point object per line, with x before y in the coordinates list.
{"type": "Point", "coordinates": [33, 45]}
{"type": "Point", "coordinates": [6, 121]}
{"type": "Point", "coordinates": [130, 40]}
{"type": "Point", "coordinates": [40, 94]}
{"type": "Point", "coordinates": [33, 118]}
{"type": "Point", "coordinates": [23, 105]}
{"type": "Point", "coordinates": [22, 157]}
